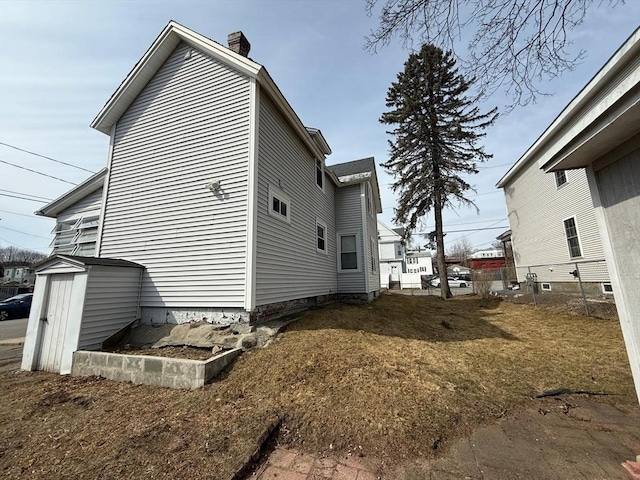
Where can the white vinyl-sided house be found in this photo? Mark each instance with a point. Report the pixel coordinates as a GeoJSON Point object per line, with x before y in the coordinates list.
{"type": "Point", "coordinates": [391, 251]}
{"type": "Point", "coordinates": [583, 196]}
{"type": "Point", "coordinates": [216, 189]}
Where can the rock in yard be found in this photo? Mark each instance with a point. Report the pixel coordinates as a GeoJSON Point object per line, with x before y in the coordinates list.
{"type": "Point", "coordinates": [249, 341]}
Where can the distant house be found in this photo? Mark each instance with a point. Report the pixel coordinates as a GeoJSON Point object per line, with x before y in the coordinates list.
{"type": "Point", "coordinates": [392, 255]}
{"type": "Point", "coordinates": [418, 263]}
{"type": "Point", "coordinates": [17, 272]}
{"type": "Point", "coordinates": [575, 194]}
{"type": "Point", "coordinates": [486, 260]}
{"type": "Point", "coordinates": [218, 192]}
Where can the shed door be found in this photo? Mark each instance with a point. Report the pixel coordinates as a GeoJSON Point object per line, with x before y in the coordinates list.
{"type": "Point", "coordinates": [55, 325]}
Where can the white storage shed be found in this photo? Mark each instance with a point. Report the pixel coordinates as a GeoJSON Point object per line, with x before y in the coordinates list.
{"type": "Point", "coordinates": [78, 303]}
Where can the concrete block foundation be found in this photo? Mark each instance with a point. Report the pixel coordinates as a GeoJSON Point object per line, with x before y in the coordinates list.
{"type": "Point", "coordinates": [149, 370]}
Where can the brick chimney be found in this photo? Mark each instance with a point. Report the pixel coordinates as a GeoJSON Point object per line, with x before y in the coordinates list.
{"type": "Point", "coordinates": [238, 43]}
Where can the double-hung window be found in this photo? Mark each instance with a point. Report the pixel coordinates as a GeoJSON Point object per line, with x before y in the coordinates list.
{"type": "Point", "coordinates": [319, 174]}
{"type": "Point", "coordinates": [561, 178]}
{"type": "Point", "coordinates": [348, 246]}
{"type": "Point", "coordinates": [373, 252]}
{"type": "Point", "coordinates": [279, 204]}
{"type": "Point", "coordinates": [573, 242]}
{"type": "Point", "coordinates": [321, 237]}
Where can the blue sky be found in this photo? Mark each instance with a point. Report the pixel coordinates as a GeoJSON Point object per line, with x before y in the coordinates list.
{"type": "Point", "coordinates": [61, 61]}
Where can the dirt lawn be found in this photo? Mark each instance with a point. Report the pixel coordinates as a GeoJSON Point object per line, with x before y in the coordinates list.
{"type": "Point", "coordinates": [397, 380]}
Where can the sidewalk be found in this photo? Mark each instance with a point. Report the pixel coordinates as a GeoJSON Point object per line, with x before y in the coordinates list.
{"type": "Point", "coordinates": [557, 439]}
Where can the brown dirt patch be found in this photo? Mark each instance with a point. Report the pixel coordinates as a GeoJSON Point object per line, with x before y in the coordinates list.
{"type": "Point", "coordinates": [189, 353]}
{"type": "Point", "coordinates": [397, 379]}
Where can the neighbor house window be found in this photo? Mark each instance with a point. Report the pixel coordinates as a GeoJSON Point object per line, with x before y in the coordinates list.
{"type": "Point", "coordinates": [561, 178]}
{"type": "Point", "coordinates": [319, 174]}
{"type": "Point", "coordinates": [571, 232]}
{"type": "Point", "coordinates": [373, 253]}
{"type": "Point", "coordinates": [348, 245]}
{"type": "Point", "coordinates": [279, 204]}
{"type": "Point", "coordinates": [321, 237]}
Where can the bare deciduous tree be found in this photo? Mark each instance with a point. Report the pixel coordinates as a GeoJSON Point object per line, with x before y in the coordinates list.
{"type": "Point", "coordinates": [461, 249]}
{"type": "Point", "coordinates": [512, 45]}
{"type": "Point", "coordinates": [16, 254]}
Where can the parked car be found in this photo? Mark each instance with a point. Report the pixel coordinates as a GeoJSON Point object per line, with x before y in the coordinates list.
{"type": "Point", "coordinates": [16, 307]}
{"type": "Point", "coordinates": [453, 282]}
{"type": "Point", "coordinates": [425, 281]}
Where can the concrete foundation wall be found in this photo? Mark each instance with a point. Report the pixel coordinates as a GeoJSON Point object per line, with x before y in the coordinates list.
{"type": "Point", "coordinates": [179, 315]}
{"type": "Point", "coordinates": [148, 370]}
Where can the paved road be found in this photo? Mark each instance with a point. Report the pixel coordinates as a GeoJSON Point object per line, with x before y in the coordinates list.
{"type": "Point", "coordinates": [13, 328]}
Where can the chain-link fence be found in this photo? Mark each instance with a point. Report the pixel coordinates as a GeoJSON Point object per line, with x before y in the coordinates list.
{"type": "Point", "coordinates": [584, 283]}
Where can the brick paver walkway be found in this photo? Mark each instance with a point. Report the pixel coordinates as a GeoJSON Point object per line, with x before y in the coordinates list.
{"type": "Point", "coordinates": [579, 439]}
{"type": "Point", "coordinates": [292, 465]}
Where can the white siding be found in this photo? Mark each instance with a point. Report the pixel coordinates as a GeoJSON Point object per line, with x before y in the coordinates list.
{"type": "Point", "coordinates": [288, 265]}
{"type": "Point", "coordinates": [88, 206]}
{"type": "Point", "coordinates": [372, 242]}
{"type": "Point", "coordinates": [189, 126]}
{"type": "Point", "coordinates": [349, 220]}
{"type": "Point", "coordinates": [111, 303]}
{"type": "Point", "coordinates": [537, 210]}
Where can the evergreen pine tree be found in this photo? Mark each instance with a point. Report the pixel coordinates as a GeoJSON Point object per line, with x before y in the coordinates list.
{"type": "Point", "coordinates": [436, 132]}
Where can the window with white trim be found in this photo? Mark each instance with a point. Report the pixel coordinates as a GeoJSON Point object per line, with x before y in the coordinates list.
{"type": "Point", "coordinates": [320, 174]}
{"type": "Point", "coordinates": [373, 254]}
{"type": "Point", "coordinates": [606, 287]}
{"type": "Point", "coordinates": [321, 237]}
{"type": "Point", "coordinates": [348, 252]}
{"type": "Point", "coordinates": [573, 242]}
{"type": "Point", "coordinates": [546, 287]}
{"type": "Point", "coordinates": [279, 204]}
{"type": "Point", "coordinates": [561, 178]}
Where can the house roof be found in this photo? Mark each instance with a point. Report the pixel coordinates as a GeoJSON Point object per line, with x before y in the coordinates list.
{"type": "Point", "coordinates": [87, 261]}
{"type": "Point", "coordinates": [504, 236]}
{"type": "Point", "coordinates": [357, 171]}
{"type": "Point", "coordinates": [603, 115]}
{"type": "Point", "coordinates": [90, 185]}
{"type": "Point", "coordinates": [159, 51]}
{"type": "Point", "coordinates": [400, 231]}
{"type": "Point", "coordinates": [423, 253]}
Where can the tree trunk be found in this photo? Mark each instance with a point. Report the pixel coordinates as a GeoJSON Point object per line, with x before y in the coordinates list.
{"type": "Point", "coordinates": [445, 291]}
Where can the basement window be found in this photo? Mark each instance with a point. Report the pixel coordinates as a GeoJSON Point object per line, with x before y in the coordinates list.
{"type": "Point", "coordinates": [546, 287]}
{"type": "Point", "coordinates": [607, 288]}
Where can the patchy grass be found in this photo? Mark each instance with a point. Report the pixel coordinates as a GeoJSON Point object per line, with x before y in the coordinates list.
{"type": "Point", "coordinates": [398, 378]}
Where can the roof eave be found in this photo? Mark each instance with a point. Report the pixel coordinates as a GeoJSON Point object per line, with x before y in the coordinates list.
{"type": "Point", "coordinates": [151, 61]}
{"type": "Point", "coordinates": [67, 199]}
{"type": "Point", "coordinates": [623, 55]}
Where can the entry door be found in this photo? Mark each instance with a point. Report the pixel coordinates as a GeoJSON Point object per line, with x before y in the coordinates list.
{"type": "Point", "coordinates": [394, 273]}
{"type": "Point", "coordinates": [54, 324]}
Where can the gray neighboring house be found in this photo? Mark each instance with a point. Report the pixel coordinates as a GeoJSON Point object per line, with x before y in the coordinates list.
{"type": "Point", "coordinates": [596, 139]}
{"type": "Point", "coordinates": [218, 190]}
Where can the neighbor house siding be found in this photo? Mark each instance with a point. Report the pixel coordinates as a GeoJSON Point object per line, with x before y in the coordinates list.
{"type": "Point", "coordinates": [537, 209]}
{"type": "Point", "coordinates": [111, 303]}
{"type": "Point", "coordinates": [349, 220]}
{"type": "Point", "coordinates": [189, 126]}
{"type": "Point", "coordinates": [288, 265]}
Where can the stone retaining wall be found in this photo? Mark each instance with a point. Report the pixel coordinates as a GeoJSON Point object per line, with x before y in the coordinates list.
{"type": "Point", "coordinates": [144, 369]}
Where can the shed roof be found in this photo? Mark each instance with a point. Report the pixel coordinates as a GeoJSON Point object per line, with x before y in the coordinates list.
{"type": "Point", "coordinates": [87, 261]}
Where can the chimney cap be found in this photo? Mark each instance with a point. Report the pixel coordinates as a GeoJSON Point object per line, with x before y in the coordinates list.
{"type": "Point", "coordinates": [238, 43]}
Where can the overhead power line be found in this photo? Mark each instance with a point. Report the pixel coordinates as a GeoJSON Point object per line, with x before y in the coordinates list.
{"type": "Point", "coordinates": [35, 217]}
{"type": "Point", "coordinates": [2, 227]}
{"type": "Point", "coordinates": [22, 246]}
{"type": "Point", "coordinates": [39, 173]}
{"type": "Point", "coordinates": [27, 195]}
{"type": "Point", "coordinates": [22, 198]}
{"type": "Point", "coordinates": [45, 157]}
